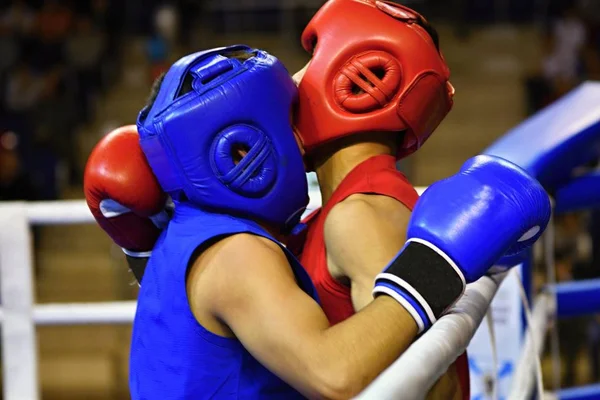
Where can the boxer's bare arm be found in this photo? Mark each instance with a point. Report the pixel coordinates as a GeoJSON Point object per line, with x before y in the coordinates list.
{"type": "Point", "coordinates": [250, 286]}
{"type": "Point", "coordinates": [362, 235]}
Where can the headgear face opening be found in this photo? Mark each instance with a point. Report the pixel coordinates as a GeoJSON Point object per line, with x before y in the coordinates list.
{"type": "Point", "coordinates": [208, 107]}
{"type": "Point", "coordinates": [374, 68]}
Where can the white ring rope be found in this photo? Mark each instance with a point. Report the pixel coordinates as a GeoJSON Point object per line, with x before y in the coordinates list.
{"type": "Point", "coordinates": [58, 212]}
{"type": "Point", "coordinates": [536, 350]}
{"type": "Point", "coordinates": [84, 313]}
{"type": "Point", "coordinates": [523, 384]}
{"type": "Point", "coordinates": [489, 319]}
{"type": "Point", "coordinates": [548, 243]}
{"type": "Point", "coordinates": [417, 370]}
{"type": "Point", "coordinates": [116, 312]}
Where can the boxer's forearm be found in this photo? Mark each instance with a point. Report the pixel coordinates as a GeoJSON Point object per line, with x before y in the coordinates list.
{"type": "Point", "coordinates": [336, 362]}
{"type": "Point", "coordinates": [448, 386]}
{"type": "Point", "coordinates": [260, 302]}
{"type": "Point", "coordinates": [358, 349]}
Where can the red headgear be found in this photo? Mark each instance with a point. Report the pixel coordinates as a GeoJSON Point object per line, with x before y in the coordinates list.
{"type": "Point", "coordinates": [374, 68]}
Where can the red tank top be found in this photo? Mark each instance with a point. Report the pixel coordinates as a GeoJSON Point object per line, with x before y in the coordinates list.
{"type": "Point", "coordinates": [377, 175]}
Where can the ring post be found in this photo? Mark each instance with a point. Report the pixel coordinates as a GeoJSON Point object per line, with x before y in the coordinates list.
{"type": "Point", "coordinates": [19, 346]}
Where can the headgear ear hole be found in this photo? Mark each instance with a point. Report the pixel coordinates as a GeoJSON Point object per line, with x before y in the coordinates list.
{"type": "Point", "coordinates": [251, 174]}
{"type": "Point", "coordinates": [367, 82]}
{"type": "Point", "coordinates": [356, 89]}
{"type": "Point", "coordinates": [379, 72]}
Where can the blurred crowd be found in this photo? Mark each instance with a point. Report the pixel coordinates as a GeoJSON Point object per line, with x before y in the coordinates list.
{"type": "Point", "coordinates": [57, 57]}
{"type": "Point", "coordinates": [576, 257]}
{"type": "Point", "coordinates": [570, 55]}
{"type": "Point", "coordinates": [570, 51]}
{"type": "Point", "coordinates": [573, 260]}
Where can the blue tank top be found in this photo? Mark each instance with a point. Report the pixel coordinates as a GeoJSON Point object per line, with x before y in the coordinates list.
{"type": "Point", "coordinates": [172, 356]}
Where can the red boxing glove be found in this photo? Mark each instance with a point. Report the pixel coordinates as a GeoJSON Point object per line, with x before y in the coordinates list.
{"type": "Point", "coordinates": [123, 193]}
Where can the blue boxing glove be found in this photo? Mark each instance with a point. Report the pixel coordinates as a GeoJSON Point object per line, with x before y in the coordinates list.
{"type": "Point", "coordinates": [459, 228]}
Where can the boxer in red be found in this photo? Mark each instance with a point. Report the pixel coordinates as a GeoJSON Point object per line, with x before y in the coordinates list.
{"type": "Point", "coordinates": [376, 88]}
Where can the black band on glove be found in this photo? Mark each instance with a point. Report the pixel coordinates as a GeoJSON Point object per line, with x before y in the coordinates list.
{"type": "Point", "coordinates": [427, 275]}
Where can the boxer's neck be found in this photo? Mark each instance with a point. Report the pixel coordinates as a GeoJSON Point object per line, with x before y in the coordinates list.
{"type": "Point", "coordinates": [333, 162]}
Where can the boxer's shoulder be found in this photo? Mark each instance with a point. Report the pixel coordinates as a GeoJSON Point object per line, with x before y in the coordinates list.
{"type": "Point", "coordinates": [236, 251]}
{"type": "Point", "coordinates": [362, 229]}
{"type": "Point", "coordinates": [233, 262]}
{"type": "Point", "coordinates": [361, 208]}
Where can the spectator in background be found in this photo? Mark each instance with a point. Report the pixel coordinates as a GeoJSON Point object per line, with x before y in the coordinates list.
{"type": "Point", "coordinates": [574, 242]}
{"type": "Point", "coordinates": [24, 95]}
{"type": "Point", "coordinates": [157, 53]}
{"type": "Point", "coordinates": [567, 41]}
{"type": "Point", "coordinates": [563, 45]}
{"type": "Point", "coordinates": [107, 17]}
{"type": "Point", "coordinates": [573, 252]}
{"type": "Point", "coordinates": [84, 51]}
{"type": "Point", "coordinates": [159, 45]}
{"type": "Point", "coordinates": [572, 331]}
{"type": "Point", "coordinates": [15, 183]}
{"type": "Point", "coordinates": [157, 50]}
{"type": "Point", "coordinates": [52, 27]}
{"type": "Point", "coordinates": [594, 330]}
{"type": "Point", "coordinates": [18, 19]}
{"type": "Point", "coordinates": [9, 48]}
{"type": "Point", "coordinates": [24, 90]}
{"type": "Point", "coordinates": [100, 14]}
{"type": "Point", "coordinates": [590, 10]}
{"type": "Point", "coordinates": [57, 118]}
{"type": "Point", "coordinates": [16, 26]}
{"type": "Point", "coordinates": [189, 17]}
{"type": "Point", "coordinates": [166, 23]}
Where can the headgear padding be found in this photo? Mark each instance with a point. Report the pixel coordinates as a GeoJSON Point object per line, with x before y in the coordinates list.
{"type": "Point", "coordinates": [209, 107]}
{"type": "Point", "coordinates": [374, 68]}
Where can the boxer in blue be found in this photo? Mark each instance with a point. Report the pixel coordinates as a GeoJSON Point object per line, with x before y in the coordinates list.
{"type": "Point", "coordinates": [225, 311]}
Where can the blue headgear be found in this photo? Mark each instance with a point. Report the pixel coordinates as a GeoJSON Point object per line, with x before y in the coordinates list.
{"type": "Point", "coordinates": [189, 137]}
